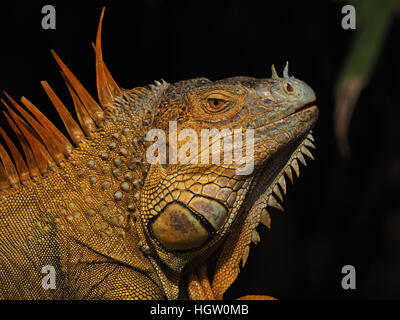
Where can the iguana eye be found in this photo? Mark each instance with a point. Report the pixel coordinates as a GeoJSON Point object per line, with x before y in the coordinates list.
{"type": "Point", "coordinates": [216, 102]}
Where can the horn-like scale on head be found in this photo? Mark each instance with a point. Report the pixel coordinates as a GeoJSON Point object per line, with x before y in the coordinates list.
{"type": "Point", "coordinates": [43, 145]}
{"type": "Point", "coordinates": [274, 75]}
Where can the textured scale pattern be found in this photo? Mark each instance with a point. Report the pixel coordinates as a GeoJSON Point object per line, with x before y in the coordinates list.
{"type": "Point", "coordinates": [115, 226]}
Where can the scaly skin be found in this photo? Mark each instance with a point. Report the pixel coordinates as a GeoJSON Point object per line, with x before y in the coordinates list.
{"type": "Point", "coordinates": [116, 227]}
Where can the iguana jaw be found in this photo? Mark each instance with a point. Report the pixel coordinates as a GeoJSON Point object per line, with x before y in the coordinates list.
{"type": "Point", "coordinates": [270, 173]}
{"type": "Point", "coordinates": [267, 188]}
{"type": "Point", "coordinates": [281, 159]}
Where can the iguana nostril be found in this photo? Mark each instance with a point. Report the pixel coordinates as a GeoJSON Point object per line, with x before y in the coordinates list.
{"type": "Point", "coordinates": [289, 88]}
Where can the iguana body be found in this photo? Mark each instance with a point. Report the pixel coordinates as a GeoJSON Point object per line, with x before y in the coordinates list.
{"type": "Point", "coordinates": [117, 227]}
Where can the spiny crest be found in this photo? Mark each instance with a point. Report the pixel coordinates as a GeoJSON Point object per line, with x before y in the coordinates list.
{"type": "Point", "coordinates": [107, 89]}
{"type": "Point", "coordinates": [238, 251]}
{"type": "Point", "coordinates": [43, 145]}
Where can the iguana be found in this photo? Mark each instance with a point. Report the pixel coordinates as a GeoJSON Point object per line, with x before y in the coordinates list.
{"type": "Point", "coordinates": [113, 225]}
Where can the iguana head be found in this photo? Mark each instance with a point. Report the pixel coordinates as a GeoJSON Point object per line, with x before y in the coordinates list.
{"type": "Point", "coordinates": [190, 209]}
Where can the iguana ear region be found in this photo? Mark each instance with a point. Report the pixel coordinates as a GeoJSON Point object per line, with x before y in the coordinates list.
{"type": "Point", "coordinates": [180, 228]}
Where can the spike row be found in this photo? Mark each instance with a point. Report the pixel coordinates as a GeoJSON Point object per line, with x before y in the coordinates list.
{"type": "Point", "coordinates": [265, 217]}
{"type": "Point", "coordinates": [43, 145]}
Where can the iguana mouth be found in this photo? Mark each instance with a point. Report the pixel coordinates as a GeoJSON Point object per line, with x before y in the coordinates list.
{"type": "Point", "coordinates": [306, 107]}
{"type": "Point", "coordinates": [302, 109]}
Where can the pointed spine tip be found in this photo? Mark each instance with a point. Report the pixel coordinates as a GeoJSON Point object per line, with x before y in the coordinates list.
{"type": "Point", "coordinates": [84, 118]}
{"type": "Point", "coordinates": [58, 60]}
{"type": "Point", "coordinates": [286, 70]}
{"type": "Point", "coordinates": [94, 110]}
{"type": "Point", "coordinates": [273, 71]}
{"type": "Point", "coordinates": [72, 127]}
{"type": "Point", "coordinates": [107, 89]}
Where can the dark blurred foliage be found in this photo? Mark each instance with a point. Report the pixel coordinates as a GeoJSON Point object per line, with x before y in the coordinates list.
{"type": "Point", "coordinates": [374, 19]}
{"type": "Point", "coordinates": [339, 212]}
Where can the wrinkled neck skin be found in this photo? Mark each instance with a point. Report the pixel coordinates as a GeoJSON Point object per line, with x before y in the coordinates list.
{"type": "Point", "coordinates": [136, 112]}
{"type": "Point", "coordinates": [173, 265]}
{"type": "Point", "coordinates": [170, 267]}
{"type": "Point", "coordinates": [105, 176]}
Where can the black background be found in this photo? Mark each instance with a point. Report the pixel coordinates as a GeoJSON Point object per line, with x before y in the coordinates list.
{"type": "Point", "coordinates": [339, 212]}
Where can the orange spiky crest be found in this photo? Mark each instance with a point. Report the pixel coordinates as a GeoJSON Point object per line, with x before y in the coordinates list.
{"type": "Point", "coordinates": [72, 127]}
{"type": "Point", "coordinates": [49, 126]}
{"type": "Point", "coordinates": [84, 118]}
{"type": "Point", "coordinates": [19, 161]}
{"type": "Point", "coordinates": [43, 158]}
{"type": "Point", "coordinates": [43, 145]}
{"type": "Point", "coordinates": [94, 110]}
{"type": "Point", "coordinates": [30, 158]}
{"type": "Point", "coordinates": [107, 89]}
{"type": "Point", "coordinates": [49, 141]}
{"type": "Point", "coordinates": [9, 168]}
